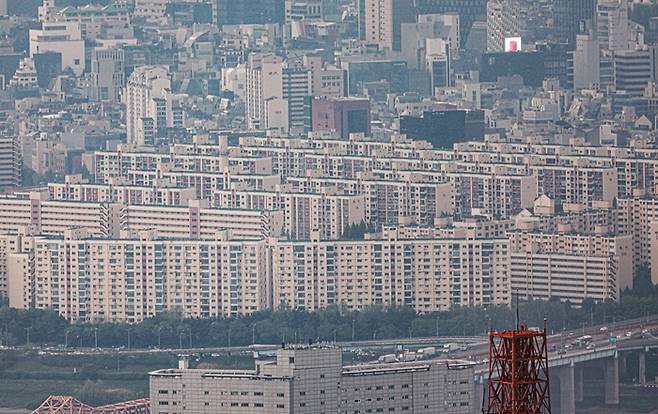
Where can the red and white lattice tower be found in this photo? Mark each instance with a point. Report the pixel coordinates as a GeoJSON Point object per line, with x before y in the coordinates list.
{"type": "Point", "coordinates": [518, 372]}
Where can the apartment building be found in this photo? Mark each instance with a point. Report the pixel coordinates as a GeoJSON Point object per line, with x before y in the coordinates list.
{"type": "Point", "coordinates": [89, 279]}
{"type": "Point", "coordinates": [426, 274]}
{"type": "Point", "coordinates": [162, 193]}
{"type": "Point", "coordinates": [570, 267]}
{"type": "Point", "coordinates": [311, 379]}
{"type": "Point", "coordinates": [388, 202]}
{"type": "Point", "coordinates": [193, 220]}
{"type": "Point", "coordinates": [10, 162]}
{"type": "Point", "coordinates": [198, 221]}
{"type": "Point", "coordinates": [111, 164]}
{"type": "Point", "coordinates": [494, 196]}
{"type": "Point", "coordinates": [148, 102]}
{"type": "Point", "coordinates": [635, 216]}
{"type": "Point", "coordinates": [12, 243]}
{"type": "Point", "coordinates": [326, 216]}
{"type": "Point", "coordinates": [206, 184]}
{"type": "Point", "coordinates": [53, 217]}
{"type": "Point", "coordinates": [141, 274]}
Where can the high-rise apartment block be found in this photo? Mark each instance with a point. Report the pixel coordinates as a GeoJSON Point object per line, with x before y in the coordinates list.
{"type": "Point", "coordinates": [10, 162]}
{"type": "Point", "coordinates": [224, 277]}
{"type": "Point", "coordinates": [148, 104]}
{"type": "Point", "coordinates": [571, 267]}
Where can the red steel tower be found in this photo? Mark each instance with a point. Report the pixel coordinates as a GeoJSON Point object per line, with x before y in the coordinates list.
{"type": "Point", "coordinates": [518, 372]}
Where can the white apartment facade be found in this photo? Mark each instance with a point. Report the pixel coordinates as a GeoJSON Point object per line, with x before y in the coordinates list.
{"type": "Point", "coordinates": [570, 267]}
{"type": "Point", "coordinates": [148, 104]}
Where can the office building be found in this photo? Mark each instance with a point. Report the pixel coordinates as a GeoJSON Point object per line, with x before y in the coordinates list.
{"type": "Point", "coordinates": [303, 10]}
{"type": "Point", "coordinates": [64, 38]}
{"type": "Point", "coordinates": [230, 12]}
{"type": "Point", "coordinates": [633, 70]}
{"type": "Point", "coordinates": [95, 20]}
{"type": "Point", "coordinates": [529, 65]}
{"type": "Point", "coordinates": [586, 67]}
{"type": "Point", "coordinates": [47, 65]}
{"type": "Point", "coordinates": [343, 116]}
{"type": "Point", "coordinates": [296, 86]}
{"type": "Point", "coordinates": [569, 15]}
{"type": "Point", "coordinates": [439, 63]}
{"type": "Point", "coordinates": [148, 104]}
{"type": "Point", "coordinates": [505, 19]}
{"type": "Point", "coordinates": [612, 24]}
{"type": "Point", "coordinates": [444, 128]}
{"type": "Point", "coordinates": [106, 78]}
{"type": "Point", "coordinates": [394, 72]}
{"type": "Point", "coordinates": [469, 12]}
{"type": "Point", "coordinates": [312, 379]}
{"type": "Point", "coordinates": [152, 11]}
{"type": "Point", "coordinates": [428, 28]}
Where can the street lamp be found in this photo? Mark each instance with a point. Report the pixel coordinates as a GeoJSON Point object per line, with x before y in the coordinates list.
{"type": "Point", "coordinates": [96, 338]}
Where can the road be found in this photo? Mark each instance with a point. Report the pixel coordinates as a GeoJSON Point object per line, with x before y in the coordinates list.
{"type": "Point", "coordinates": [564, 343]}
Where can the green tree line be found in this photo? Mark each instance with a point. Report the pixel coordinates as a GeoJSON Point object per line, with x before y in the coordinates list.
{"type": "Point", "coordinates": [170, 330]}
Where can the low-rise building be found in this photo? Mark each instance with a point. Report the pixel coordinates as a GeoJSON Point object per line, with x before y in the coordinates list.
{"type": "Point", "coordinates": [312, 379]}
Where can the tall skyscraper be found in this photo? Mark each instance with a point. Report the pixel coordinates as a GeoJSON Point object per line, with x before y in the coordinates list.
{"type": "Point", "coordinates": [469, 11]}
{"type": "Point", "coordinates": [148, 103]}
{"type": "Point", "coordinates": [568, 15]}
{"type": "Point", "coordinates": [505, 18]}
